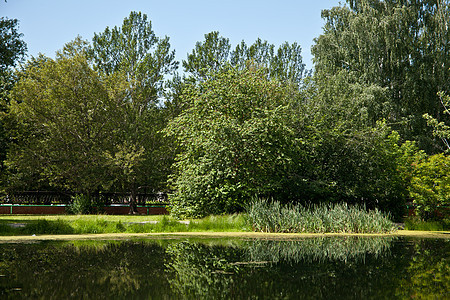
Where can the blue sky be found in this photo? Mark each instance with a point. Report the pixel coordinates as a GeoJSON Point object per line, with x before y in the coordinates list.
{"type": "Point", "coordinates": [48, 24]}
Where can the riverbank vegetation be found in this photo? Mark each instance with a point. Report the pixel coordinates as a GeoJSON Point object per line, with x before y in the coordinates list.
{"type": "Point", "coordinates": [118, 224]}
{"type": "Point", "coordinates": [262, 216]}
{"type": "Point", "coordinates": [267, 216]}
{"type": "Point", "coordinates": [367, 127]}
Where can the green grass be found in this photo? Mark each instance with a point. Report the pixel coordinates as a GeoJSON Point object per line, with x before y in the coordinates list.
{"type": "Point", "coordinates": [416, 224]}
{"type": "Point", "coordinates": [88, 224]}
{"type": "Point", "coordinates": [266, 216]}
{"type": "Point", "coordinates": [262, 216]}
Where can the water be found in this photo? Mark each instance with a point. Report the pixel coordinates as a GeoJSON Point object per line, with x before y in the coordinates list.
{"type": "Point", "coordinates": [181, 268]}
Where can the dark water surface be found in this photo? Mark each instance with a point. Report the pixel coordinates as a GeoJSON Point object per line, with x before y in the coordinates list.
{"type": "Point", "coordinates": [308, 268]}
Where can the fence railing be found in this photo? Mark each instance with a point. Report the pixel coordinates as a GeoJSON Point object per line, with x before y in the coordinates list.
{"type": "Point", "coordinates": [51, 197]}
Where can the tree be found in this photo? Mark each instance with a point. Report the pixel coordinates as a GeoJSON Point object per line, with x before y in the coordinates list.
{"type": "Point", "coordinates": [234, 142]}
{"type": "Point", "coordinates": [135, 50]}
{"type": "Point", "coordinates": [64, 116]}
{"type": "Point", "coordinates": [441, 129]}
{"type": "Point", "coordinates": [140, 158]}
{"type": "Point", "coordinates": [430, 187]}
{"type": "Point", "coordinates": [214, 53]}
{"type": "Point", "coordinates": [348, 153]}
{"type": "Point", "coordinates": [209, 56]}
{"type": "Point", "coordinates": [399, 45]}
{"type": "Point", "coordinates": [12, 48]}
{"type": "Point", "coordinates": [12, 51]}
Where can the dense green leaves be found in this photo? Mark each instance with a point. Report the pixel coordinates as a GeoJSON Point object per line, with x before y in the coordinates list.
{"type": "Point", "coordinates": [12, 47]}
{"type": "Point", "coordinates": [234, 143]}
{"type": "Point", "coordinates": [65, 116]}
{"type": "Point", "coordinates": [400, 45]}
{"type": "Point", "coordinates": [430, 187]}
{"type": "Point", "coordinates": [244, 121]}
{"type": "Point", "coordinates": [135, 50]}
{"type": "Point", "coordinates": [214, 53]}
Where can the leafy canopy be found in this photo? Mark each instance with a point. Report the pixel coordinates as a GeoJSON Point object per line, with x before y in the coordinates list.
{"type": "Point", "coordinates": [234, 143]}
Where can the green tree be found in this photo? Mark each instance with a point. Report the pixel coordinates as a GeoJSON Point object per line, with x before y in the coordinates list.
{"type": "Point", "coordinates": [430, 187]}
{"type": "Point", "coordinates": [208, 56]}
{"type": "Point", "coordinates": [235, 143]}
{"type": "Point", "coordinates": [141, 158]}
{"type": "Point", "coordinates": [214, 53]}
{"type": "Point", "coordinates": [12, 47]}
{"type": "Point", "coordinates": [349, 153]}
{"type": "Point", "coordinates": [400, 45]}
{"type": "Point", "coordinates": [12, 51]}
{"type": "Point", "coordinates": [441, 129]}
{"type": "Point", "coordinates": [135, 50]}
{"type": "Point", "coordinates": [64, 120]}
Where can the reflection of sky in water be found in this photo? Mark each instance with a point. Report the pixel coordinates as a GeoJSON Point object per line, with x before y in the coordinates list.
{"type": "Point", "coordinates": [331, 267]}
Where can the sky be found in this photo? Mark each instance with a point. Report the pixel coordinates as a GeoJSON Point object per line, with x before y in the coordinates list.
{"type": "Point", "coordinates": [48, 24]}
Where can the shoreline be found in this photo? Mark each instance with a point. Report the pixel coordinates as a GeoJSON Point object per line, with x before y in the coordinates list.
{"type": "Point", "coordinates": [254, 235]}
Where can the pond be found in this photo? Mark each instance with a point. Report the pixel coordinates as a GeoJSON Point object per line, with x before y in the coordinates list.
{"type": "Point", "coordinates": [215, 268]}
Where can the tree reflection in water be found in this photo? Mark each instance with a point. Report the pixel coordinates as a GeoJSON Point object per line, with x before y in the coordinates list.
{"type": "Point", "coordinates": [326, 267]}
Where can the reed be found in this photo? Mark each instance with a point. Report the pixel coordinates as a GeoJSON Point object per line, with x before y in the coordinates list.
{"type": "Point", "coordinates": [271, 216]}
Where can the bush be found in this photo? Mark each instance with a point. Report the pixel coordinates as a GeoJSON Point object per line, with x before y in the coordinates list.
{"type": "Point", "coordinates": [234, 143]}
{"type": "Point", "coordinates": [84, 204]}
{"type": "Point", "coordinates": [430, 187]}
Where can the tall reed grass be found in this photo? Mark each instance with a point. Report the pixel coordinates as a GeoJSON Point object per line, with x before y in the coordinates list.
{"type": "Point", "coordinates": [271, 216]}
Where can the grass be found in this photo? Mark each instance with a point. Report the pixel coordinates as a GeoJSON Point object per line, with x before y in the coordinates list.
{"type": "Point", "coordinates": [266, 216]}
{"type": "Point", "coordinates": [262, 216]}
{"type": "Point", "coordinates": [416, 224]}
{"type": "Point", "coordinates": [96, 224]}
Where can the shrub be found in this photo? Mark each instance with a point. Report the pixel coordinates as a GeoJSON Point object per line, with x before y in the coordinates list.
{"type": "Point", "coordinates": [430, 187]}
{"type": "Point", "coordinates": [84, 204]}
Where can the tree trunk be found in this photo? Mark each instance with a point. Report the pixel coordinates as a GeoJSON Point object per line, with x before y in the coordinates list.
{"type": "Point", "coordinates": [133, 205]}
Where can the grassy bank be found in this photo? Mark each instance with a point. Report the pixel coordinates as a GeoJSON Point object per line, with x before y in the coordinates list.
{"type": "Point", "coordinates": [416, 224]}
{"type": "Point", "coordinates": [28, 225]}
{"type": "Point", "coordinates": [262, 216]}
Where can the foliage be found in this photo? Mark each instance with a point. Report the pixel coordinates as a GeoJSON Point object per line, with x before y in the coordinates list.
{"type": "Point", "coordinates": [134, 49]}
{"type": "Point", "coordinates": [349, 155]}
{"type": "Point", "coordinates": [63, 119]}
{"type": "Point", "coordinates": [84, 204]}
{"type": "Point", "coordinates": [271, 216]}
{"type": "Point", "coordinates": [13, 50]}
{"type": "Point", "coordinates": [441, 129]}
{"type": "Point", "coordinates": [12, 47]}
{"type": "Point", "coordinates": [430, 187]}
{"type": "Point", "coordinates": [214, 53]}
{"type": "Point", "coordinates": [398, 45]}
{"type": "Point", "coordinates": [415, 223]}
{"type": "Point", "coordinates": [234, 141]}
{"type": "Point", "coordinates": [140, 158]}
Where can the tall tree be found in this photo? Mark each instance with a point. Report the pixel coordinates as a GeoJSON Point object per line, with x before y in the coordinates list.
{"type": "Point", "coordinates": [146, 60]}
{"type": "Point", "coordinates": [214, 54]}
{"type": "Point", "coordinates": [208, 56]}
{"type": "Point", "coordinates": [234, 143]}
{"type": "Point", "coordinates": [135, 50]}
{"type": "Point", "coordinates": [12, 47]}
{"type": "Point", "coordinates": [12, 51]}
{"type": "Point", "coordinates": [63, 122]}
{"type": "Point", "coordinates": [400, 45]}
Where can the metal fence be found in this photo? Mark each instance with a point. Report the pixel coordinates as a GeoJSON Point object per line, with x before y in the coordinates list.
{"type": "Point", "coordinates": [51, 197]}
